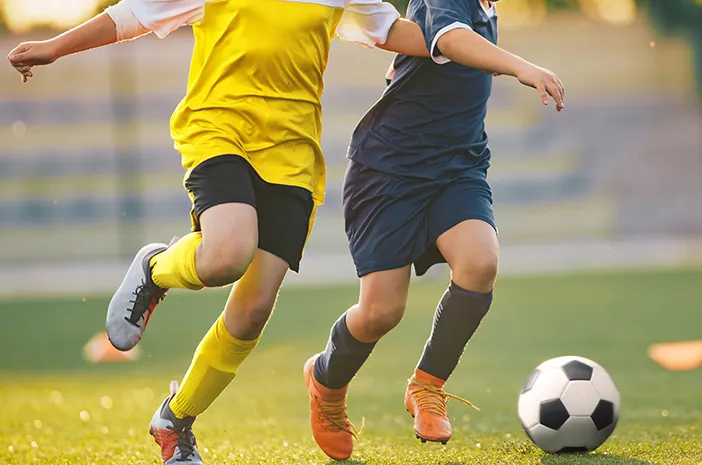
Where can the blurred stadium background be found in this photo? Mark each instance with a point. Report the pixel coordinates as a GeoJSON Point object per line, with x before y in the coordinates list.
{"type": "Point", "coordinates": [88, 172]}
{"type": "Point", "coordinates": [613, 184]}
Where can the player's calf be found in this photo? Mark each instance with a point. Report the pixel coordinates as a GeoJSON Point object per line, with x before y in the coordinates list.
{"type": "Point", "coordinates": [381, 306]}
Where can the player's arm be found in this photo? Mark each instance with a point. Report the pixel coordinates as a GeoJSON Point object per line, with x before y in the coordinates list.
{"type": "Point", "coordinates": [405, 37]}
{"type": "Point", "coordinates": [127, 20]}
{"type": "Point", "coordinates": [375, 23]}
{"type": "Point", "coordinates": [97, 32]}
{"type": "Point", "coordinates": [463, 46]}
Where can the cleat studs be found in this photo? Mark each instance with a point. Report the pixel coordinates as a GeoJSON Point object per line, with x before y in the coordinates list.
{"type": "Point", "coordinates": [444, 442]}
{"type": "Point", "coordinates": [423, 440]}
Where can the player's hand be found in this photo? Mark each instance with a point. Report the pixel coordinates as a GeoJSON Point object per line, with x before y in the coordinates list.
{"type": "Point", "coordinates": [29, 54]}
{"type": "Point", "coordinates": [545, 82]}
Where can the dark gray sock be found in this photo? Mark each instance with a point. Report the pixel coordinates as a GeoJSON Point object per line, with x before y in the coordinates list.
{"type": "Point", "coordinates": [457, 317]}
{"type": "Point", "coordinates": [342, 359]}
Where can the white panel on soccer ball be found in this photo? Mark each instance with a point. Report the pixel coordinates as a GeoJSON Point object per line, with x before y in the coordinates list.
{"type": "Point", "coordinates": [545, 438]}
{"type": "Point", "coordinates": [580, 398]}
{"type": "Point", "coordinates": [528, 409]}
{"type": "Point", "coordinates": [605, 386]}
{"type": "Point", "coordinates": [550, 384]}
{"type": "Point", "coordinates": [578, 432]}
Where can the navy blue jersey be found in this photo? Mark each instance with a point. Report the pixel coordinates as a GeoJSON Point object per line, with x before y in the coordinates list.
{"type": "Point", "coordinates": [429, 123]}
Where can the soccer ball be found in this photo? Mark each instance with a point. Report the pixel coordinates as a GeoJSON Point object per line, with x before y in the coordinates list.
{"type": "Point", "coordinates": [569, 404]}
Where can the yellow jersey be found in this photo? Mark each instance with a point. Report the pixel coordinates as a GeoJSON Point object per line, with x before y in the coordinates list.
{"type": "Point", "coordinates": [256, 78]}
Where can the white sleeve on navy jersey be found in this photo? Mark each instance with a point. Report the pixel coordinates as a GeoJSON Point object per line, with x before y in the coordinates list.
{"type": "Point", "coordinates": [158, 16]}
{"type": "Point", "coordinates": [433, 51]}
{"type": "Point", "coordinates": [366, 22]}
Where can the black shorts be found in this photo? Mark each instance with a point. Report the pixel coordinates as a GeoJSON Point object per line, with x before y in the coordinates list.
{"type": "Point", "coordinates": [394, 221]}
{"type": "Point", "coordinates": [284, 212]}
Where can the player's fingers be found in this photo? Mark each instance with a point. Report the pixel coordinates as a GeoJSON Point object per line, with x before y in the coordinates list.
{"type": "Point", "coordinates": [555, 94]}
{"type": "Point", "coordinates": [19, 55]}
{"type": "Point", "coordinates": [541, 89]}
{"type": "Point", "coordinates": [22, 68]}
{"type": "Point", "coordinates": [560, 84]}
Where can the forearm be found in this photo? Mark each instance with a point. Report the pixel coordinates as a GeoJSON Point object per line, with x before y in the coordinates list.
{"type": "Point", "coordinates": [465, 47]}
{"type": "Point", "coordinates": [406, 38]}
{"type": "Point", "coordinates": [97, 32]}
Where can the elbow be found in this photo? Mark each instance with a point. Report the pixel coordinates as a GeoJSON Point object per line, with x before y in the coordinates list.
{"type": "Point", "coordinates": [447, 46]}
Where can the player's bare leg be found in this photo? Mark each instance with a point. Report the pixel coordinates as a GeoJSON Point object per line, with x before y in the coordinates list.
{"type": "Point", "coordinates": [217, 256]}
{"type": "Point", "coordinates": [251, 303]}
{"type": "Point", "coordinates": [229, 243]}
{"type": "Point", "coordinates": [220, 354]}
{"type": "Point", "coordinates": [327, 375]}
{"type": "Point", "coordinates": [471, 250]}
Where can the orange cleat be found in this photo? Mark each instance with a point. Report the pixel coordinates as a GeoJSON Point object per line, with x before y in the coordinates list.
{"type": "Point", "coordinates": [330, 423]}
{"type": "Point", "coordinates": [426, 401]}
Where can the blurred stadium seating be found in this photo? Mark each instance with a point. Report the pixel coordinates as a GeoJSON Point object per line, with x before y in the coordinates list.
{"type": "Point", "coordinates": [88, 172]}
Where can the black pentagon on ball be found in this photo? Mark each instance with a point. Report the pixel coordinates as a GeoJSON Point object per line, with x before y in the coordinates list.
{"type": "Point", "coordinates": [529, 383]}
{"type": "Point", "coordinates": [552, 414]}
{"type": "Point", "coordinates": [572, 450]}
{"type": "Point", "coordinates": [577, 371]}
{"type": "Point", "coordinates": [603, 416]}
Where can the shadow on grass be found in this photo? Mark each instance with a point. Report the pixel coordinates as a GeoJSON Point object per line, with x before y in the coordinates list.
{"type": "Point", "coordinates": [591, 459]}
{"type": "Point", "coordinates": [346, 462]}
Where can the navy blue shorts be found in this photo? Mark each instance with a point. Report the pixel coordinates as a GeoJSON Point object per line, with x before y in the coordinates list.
{"type": "Point", "coordinates": [394, 221]}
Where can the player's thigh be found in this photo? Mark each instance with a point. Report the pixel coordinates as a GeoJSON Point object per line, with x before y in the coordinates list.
{"type": "Point", "coordinates": [224, 209]}
{"type": "Point", "coordinates": [253, 298]}
{"type": "Point", "coordinates": [230, 230]}
{"type": "Point", "coordinates": [472, 251]}
{"type": "Point", "coordinates": [381, 305]}
{"type": "Point", "coordinates": [463, 222]}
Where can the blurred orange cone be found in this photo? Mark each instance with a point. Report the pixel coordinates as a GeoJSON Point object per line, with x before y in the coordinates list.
{"type": "Point", "coordinates": [99, 350]}
{"type": "Point", "coordinates": [677, 356]}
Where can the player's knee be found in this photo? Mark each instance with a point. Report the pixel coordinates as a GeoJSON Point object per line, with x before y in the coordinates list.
{"type": "Point", "coordinates": [477, 272]}
{"type": "Point", "coordinates": [225, 266]}
{"type": "Point", "coordinates": [381, 318]}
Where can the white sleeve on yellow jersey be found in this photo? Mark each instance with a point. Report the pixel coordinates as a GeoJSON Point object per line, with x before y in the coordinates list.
{"type": "Point", "coordinates": [367, 22]}
{"type": "Point", "coordinates": [136, 17]}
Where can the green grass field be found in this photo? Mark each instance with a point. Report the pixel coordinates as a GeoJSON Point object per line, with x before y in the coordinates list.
{"type": "Point", "coordinates": [57, 409]}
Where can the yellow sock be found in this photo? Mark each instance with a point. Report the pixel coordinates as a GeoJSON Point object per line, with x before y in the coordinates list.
{"type": "Point", "coordinates": [175, 268]}
{"type": "Point", "coordinates": [214, 366]}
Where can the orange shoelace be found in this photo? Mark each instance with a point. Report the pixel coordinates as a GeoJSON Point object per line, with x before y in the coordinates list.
{"type": "Point", "coordinates": [333, 416]}
{"type": "Point", "coordinates": [433, 399]}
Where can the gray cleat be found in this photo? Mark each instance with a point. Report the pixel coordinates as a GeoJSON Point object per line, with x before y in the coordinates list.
{"type": "Point", "coordinates": [174, 435]}
{"type": "Point", "coordinates": [135, 300]}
